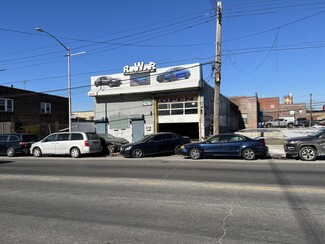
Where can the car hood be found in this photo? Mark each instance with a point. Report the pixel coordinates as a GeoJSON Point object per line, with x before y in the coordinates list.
{"type": "Point", "coordinates": [132, 144]}
{"type": "Point", "coordinates": [121, 140]}
{"type": "Point", "coordinates": [301, 138]}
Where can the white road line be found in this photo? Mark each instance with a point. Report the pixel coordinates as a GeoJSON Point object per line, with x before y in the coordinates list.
{"type": "Point", "coordinates": [163, 183]}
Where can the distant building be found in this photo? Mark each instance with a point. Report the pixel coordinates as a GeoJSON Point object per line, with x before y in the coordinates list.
{"type": "Point", "coordinates": [27, 111]}
{"type": "Point", "coordinates": [272, 109]}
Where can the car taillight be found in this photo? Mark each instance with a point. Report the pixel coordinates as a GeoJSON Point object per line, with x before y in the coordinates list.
{"type": "Point", "coordinates": [86, 143]}
{"type": "Point", "coordinates": [23, 144]}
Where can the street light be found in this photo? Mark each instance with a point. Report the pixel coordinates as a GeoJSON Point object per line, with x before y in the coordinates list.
{"type": "Point", "coordinates": [69, 75]}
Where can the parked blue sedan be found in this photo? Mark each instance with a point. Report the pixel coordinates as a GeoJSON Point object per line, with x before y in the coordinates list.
{"type": "Point", "coordinates": [226, 145]}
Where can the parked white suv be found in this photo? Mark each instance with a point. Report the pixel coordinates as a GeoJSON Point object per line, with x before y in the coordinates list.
{"type": "Point", "coordinates": [65, 143]}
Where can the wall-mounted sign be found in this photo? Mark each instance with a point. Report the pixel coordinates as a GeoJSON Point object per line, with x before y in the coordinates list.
{"type": "Point", "coordinates": [139, 67]}
{"type": "Point", "coordinates": [142, 79]}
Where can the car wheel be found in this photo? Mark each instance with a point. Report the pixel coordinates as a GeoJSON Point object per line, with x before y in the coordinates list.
{"type": "Point", "coordinates": [290, 125]}
{"type": "Point", "coordinates": [75, 152]}
{"type": "Point", "coordinates": [268, 125]}
{"type": "Point", "coordinates": [172, 78]}
{"type": "Point", "coordinates": [195, 153]}
{"type": "Point", "coordinates": [37, 152]}
{"type": "Point", "coordinates": [137, 153]}
{"type": "Point", "coordinates": [177, 149]}
{"type": "Point", "coordinates": [111, 148]}
{"type": "Point", "coordinates": [11, 152]}
{"type": "Point", "coordinates": [307, 154]}
{"type": "Point", "coordinates": [248, 154]}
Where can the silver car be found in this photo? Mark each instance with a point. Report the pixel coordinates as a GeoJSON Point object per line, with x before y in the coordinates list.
{"type": "Point", "coordinates": [67, 143]}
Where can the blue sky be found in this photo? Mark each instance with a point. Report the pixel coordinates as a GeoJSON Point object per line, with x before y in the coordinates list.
{"type": "Point", "coordinates": [269, 47]}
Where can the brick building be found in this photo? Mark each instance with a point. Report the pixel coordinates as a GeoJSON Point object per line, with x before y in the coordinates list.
{"type": "Point", "coordinates": [249, 108]}
{"type": "Point", "coordinates": [272, 109]}
{"type": "Point", "coordinates": [27, 111]}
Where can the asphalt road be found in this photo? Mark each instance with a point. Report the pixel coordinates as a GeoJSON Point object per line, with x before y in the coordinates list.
{"type": "Point", "coordinates": [161, 200]}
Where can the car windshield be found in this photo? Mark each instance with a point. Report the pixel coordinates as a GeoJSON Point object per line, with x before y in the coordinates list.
{"type": "Point", "coordinates": [317, 133]}
{"type": "Point", "coordinates": [145, 138]}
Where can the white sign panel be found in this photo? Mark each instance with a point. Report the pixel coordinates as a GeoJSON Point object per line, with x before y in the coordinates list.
{"type": "Point", "coordinates": [146, 78]}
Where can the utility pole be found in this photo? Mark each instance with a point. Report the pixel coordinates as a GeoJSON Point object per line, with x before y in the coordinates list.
{"type": "Point", "coordinates": [217, 70]}
{"type": "Point", "coordinates": [311, 109]}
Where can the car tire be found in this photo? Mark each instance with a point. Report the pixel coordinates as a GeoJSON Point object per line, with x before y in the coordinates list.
{"type": "Point", "coordinates": [195, 153]}
{"type": "Point", "coordinates": [177, 149]}
{"type": "Point", "coordinates": [268, 125]}
{"type": "Point", "coordinates": [11, 152]}
{"type": "Point", "coordinates": [290, 125]}
{"type": "Point", "coordinates": [248, 154]}
{"type": "Point", "coordinates": [111, 148]}
{"type": "Point", "coordinates": [160, 79]}
{"type": "Point", "coordinates": [172, 78]}
{"type": "Point", "coordinates": [137, 153]}
{"type": "Point", "coordinates": [307, 153]}
{"type": "Point", "coordinates": [37, 152]}
{"type": "Point", "coordinates": [75, 152]}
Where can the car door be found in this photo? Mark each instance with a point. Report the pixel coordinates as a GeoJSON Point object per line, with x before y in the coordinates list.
{"type": "Point", "coordinates": [49, 144]}
{"type": "Point", "coordinates": [62, 143]}
{"type": "Point", "coordinates": [322, 143]}
{"type": "Point", "coordinates": [169, 142]}
{"type": "Point", "coordinates": [214, 146]}
{"type": "Point", "coordinates": [233, 144]}
{"type": "Point", "coordinates": [154, 145]}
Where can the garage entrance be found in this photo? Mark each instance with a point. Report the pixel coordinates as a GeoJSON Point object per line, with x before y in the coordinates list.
{"type": "Point", "coordinates": [185, 129]}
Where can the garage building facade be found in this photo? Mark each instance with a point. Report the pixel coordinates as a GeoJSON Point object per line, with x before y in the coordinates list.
{"type": "Point", "coordinates": [144, 100]}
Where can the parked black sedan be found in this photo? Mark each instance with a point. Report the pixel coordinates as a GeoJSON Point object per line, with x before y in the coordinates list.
{"type": "Point", "coordinates": [154, 144]}
{"type": "Point", "coordinates": [226, 145]}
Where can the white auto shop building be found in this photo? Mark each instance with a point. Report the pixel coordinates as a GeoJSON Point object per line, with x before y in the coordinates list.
{"type": "Point", "coordinates": [144, 100]}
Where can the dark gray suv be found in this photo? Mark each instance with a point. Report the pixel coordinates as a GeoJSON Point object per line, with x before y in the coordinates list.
{"type": "Point", "coordinates": [307, 148]}
{"type": "Point", "coordinates": [12, 144]}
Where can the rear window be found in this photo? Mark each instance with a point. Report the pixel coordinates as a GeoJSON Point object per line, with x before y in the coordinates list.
{"type": "Point", "coordinates": [76, 136]}
{"type": "Point", "coordinates": [92, 136]}
{"type": "Point", "coordinates": [30, 138]}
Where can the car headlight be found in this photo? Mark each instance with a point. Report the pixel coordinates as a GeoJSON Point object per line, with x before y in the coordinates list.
{"type": "Point", "coordinates": [182, 147]}
{"type": "Point", "coordinates": [291, 142]}
{"type": "Point", "coordinates": [128, 148]}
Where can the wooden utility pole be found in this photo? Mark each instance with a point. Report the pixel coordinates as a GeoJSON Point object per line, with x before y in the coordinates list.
{"type": "Point", "coordinates": [217, 70]}
{"type": "Point", "coordinates": [311, 109]}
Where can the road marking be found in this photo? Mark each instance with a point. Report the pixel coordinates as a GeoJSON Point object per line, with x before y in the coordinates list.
{"type": "Point", "coordinates": [164, 183]}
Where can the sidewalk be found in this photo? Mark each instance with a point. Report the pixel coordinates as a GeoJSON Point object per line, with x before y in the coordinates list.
{"type": "Point", "coordinates": [276, 151]}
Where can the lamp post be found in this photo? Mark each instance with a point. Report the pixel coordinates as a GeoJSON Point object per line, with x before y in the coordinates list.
{"type": "Point", "coordinates": [69, 74]}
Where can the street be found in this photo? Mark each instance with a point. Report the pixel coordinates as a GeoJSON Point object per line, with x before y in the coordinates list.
{"type": "Point", "coordinates": [161, 200]}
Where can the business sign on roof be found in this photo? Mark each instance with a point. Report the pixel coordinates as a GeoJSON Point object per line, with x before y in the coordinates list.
{"type": "Point", "coordinates": [142, 78]}
{"type": "Point", "coordinates": [139, 67]}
